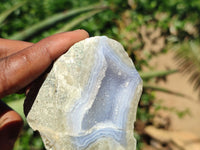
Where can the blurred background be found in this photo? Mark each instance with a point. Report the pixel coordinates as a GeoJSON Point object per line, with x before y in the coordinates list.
{"type": "Point", "coordinates": [161, 37]}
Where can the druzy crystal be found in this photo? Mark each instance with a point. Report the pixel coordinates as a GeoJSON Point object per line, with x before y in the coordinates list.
{"type": "Point", "coordinates": [89, 99]}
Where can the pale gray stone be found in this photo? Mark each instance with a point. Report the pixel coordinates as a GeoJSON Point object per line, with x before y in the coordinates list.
{"type": "Point", "coordinates": [89, 99]}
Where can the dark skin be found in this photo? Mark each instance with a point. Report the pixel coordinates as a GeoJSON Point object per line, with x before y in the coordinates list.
{"type": "Point", "coordinates": [21, 63]}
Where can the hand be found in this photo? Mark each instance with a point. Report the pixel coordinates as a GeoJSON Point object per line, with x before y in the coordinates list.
{"type": "Point", "coordinates": [21, 63]}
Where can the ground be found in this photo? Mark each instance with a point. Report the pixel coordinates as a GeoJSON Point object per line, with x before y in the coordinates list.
{"type": "Point", "coordinates": [188, 122]}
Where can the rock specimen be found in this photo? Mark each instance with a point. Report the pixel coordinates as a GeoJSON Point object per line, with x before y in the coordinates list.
{"type": "Point", "coordinates": [89, 99]}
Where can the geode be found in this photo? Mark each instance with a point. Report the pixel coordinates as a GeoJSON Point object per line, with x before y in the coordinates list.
{"type": "Point", "coordinates": [89, 99]}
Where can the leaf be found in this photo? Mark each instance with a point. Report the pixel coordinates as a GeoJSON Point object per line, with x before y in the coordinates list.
{"type": "Point", "coordinates": [153, 74]}
{"type": "Point", "coordinates": [161, 89]}
{"type": "Point", "coordinates": [188, 59]}
{"type": "Point", "coordinates": [28, 32]}
{"type": "Point", "coordinates": [17, 105]}
{"type": "Point", "coordinates": [13, 97]}
{"type": "Point", "coordinates": [78, 20]}
{"type": "Point", "coordinates": [6, 13]}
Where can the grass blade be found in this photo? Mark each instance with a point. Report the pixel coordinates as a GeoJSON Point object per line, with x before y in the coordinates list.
{"type": "Point", "coordinates": [161, 89]}
{"type": "Point", "coordinates": [78, 20]}
{"type": "Point", "coordinates": [153, 74]}
{"type": "Point", "coordinates": [6, 13]}
{"type": "Point", "coordinates": [22, 35]}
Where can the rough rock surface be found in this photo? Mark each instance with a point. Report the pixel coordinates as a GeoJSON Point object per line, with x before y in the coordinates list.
{"type": "Point", "coordinates": [89, 99]}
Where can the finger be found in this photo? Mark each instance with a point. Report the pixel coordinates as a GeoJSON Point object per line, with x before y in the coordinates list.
{"type": "Point", "coordinates": [8, 47]}
{"type": "Point", "coordinates": [20, 69]}
{"type": "Point", "coordinates": [10, 126]}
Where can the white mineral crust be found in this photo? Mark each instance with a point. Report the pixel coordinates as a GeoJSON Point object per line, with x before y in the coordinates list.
{"type": "Point", "coordinates": [89, 99]}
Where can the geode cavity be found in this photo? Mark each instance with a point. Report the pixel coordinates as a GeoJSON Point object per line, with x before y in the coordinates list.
{"type": "Point", "coordinates": [89, 99]}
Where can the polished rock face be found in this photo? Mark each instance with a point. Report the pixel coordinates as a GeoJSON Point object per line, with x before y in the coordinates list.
{"type": "Point", "coordinates": [89, 99]}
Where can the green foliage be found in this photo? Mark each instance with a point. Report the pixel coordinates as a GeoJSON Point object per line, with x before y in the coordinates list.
{"type": "Point", "coordinates": [29, 140]}
{"type": "Point", "coordinates": [13, 97]}
{"type": "Point", "coordinates": [145, 104]}
{"type": "Point", "coordinates": [30, 31]}
{"type": "Point", "coordinates": [6, 13]}
{"type": "Point", "coordinates": [133, 23]}
{"type": "Point", "coordinates": [157, 88]}
{"type": "Point", "coordinates": [153, 74]}
{"type": "Point", "coordinates": [179, 113]}
{"type": "Point", "coordinates": [138, 138]}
